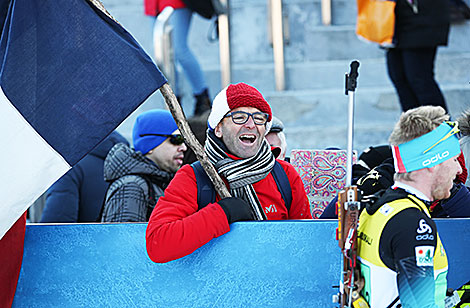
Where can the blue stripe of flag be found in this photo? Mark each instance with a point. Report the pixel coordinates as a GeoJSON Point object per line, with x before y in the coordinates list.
{"type": "Point", "coordinates": [72, 72]}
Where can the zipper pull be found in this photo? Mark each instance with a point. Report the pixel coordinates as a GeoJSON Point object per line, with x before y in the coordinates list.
{"type": "Point", "coordinates": [414, 5]}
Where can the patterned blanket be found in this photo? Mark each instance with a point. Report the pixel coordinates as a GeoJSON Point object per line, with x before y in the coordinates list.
{"type": "Point", "coordinates": [323, 173]}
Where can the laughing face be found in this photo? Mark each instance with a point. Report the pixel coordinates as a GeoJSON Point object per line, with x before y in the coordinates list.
{"type": "Point", "coordinates": [242, 140]}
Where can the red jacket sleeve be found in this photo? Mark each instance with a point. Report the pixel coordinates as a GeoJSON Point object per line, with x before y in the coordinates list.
{"type": "Point", "coordinates": [176, 228]}
{"type": "Point", "coordinates": [150, 7]}
{"type": "Point", "coordinates": [300, 207]}
{"type": "Point", "coordinates": [154, 7]}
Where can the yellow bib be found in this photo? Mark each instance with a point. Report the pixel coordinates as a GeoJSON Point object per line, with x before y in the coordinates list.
{"type": "Point", "coordinates": [380, 282]}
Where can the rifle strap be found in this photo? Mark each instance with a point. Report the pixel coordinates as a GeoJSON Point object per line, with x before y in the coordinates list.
{"type": "Point", "coordinates": [393, 302]}
{"type": "Point", "coordinates": [206, 191]}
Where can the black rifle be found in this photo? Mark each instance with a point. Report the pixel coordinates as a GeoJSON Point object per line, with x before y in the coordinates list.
{"type": "Point", "coordinates": [348, 210]}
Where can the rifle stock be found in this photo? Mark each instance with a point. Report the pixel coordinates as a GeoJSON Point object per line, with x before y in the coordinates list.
{"type": "Point", "coordinates": [348, 209]}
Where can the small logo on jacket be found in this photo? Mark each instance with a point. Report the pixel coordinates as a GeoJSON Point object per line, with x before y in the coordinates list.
{"type": "Point", "coordinates": [424, 231]}
{"type": "Point", "coordinates": [424, 255]}
{"type": "Point", "coordinates": [386, 209]}
{"type": "Point", "coordinates": [270, 209]}
{"type": "Point", "coordinates": [423, 227]}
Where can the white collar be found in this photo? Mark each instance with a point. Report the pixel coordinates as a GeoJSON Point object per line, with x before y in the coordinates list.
{"type": "Point", "coordinates": [411, 190]}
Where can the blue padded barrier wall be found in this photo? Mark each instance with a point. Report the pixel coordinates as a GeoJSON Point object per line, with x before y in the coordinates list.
{"type": "Point", "coordinates": [256, 264]}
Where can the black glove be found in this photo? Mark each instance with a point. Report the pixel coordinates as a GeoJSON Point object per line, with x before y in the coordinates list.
{"type": "Point", "coordinates": [380, 177]}
{"type": "Point", "coordinates": [236, 209]}
{"type": "Point", "coordinates": [358, 171]}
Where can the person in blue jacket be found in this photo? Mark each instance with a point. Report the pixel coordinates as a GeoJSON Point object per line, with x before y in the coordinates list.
{"type": "Point", "coordinates": [78, 195]}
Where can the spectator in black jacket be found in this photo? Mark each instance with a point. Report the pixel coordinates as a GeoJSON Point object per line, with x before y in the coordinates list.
{"type": "Point", "coordinates": [78, 195]}
{"type": "Point", "coordinates": [420, 27]}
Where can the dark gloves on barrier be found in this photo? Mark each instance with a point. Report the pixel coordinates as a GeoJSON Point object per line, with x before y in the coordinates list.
{"type": "Point", "coordinates": [236, 209]}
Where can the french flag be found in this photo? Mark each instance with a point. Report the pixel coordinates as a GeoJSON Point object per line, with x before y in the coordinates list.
{"type": "Point", "coordinates": [69, 75]}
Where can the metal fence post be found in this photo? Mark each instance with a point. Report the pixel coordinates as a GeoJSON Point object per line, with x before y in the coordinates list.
{"type": "Point", "coordinates": [224, 45]}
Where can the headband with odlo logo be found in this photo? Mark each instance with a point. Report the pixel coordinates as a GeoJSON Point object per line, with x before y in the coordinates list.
{"type": "Point", "coordinates": [428, 150]}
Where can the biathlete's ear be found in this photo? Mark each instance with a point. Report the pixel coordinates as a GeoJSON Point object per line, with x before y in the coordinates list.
{"type": "Point", "coordinates": [218, 130]}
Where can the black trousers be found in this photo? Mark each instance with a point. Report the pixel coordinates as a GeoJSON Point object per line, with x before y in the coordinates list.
{"type": "Point", "coordinates": [412, 73]}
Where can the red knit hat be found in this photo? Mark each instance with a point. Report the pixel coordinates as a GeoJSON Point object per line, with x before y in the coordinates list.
{"type": "Point", "coordinates": [234, 96]}
{"type": "Point", "coordinates": [462, 177]}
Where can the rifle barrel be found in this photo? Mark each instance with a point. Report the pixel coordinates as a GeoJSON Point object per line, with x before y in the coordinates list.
{"type": "Point", "coordinates": [351, 83]}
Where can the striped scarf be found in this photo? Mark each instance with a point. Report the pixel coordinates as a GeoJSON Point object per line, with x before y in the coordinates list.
{"type": "Point", "coordinates": [241, 173]}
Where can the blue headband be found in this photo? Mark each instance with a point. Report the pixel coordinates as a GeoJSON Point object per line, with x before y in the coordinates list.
{"type": "Point", "coordinates": [428, 150]}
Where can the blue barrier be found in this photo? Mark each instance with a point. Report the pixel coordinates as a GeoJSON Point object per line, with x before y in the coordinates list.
{"type": "Point", "coordinates": [257, 264]}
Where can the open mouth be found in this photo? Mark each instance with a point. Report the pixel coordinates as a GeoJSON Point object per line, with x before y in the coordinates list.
{"type": "Point", "coordinates": [179, 159]}
{"type": "Point", "coordinates": [247, 138]}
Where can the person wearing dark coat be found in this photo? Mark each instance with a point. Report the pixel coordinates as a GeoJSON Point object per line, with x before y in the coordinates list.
{"type": "Point", "coordinates": [140, 175]}
{"type": "Point", "coordinates": [78, 195]}
{"type": "Point", "coordinates": [420, 27]}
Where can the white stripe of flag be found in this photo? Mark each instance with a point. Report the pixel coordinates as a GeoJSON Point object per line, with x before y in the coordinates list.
{"type": "Point", "coordinates": [30, 165]}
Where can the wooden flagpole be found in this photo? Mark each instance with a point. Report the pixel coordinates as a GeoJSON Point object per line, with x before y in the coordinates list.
{"type": "Point", "coordinates": [191, 141]}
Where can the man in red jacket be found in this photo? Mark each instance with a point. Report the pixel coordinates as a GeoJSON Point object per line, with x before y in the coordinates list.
{"type": "Point", "coordinates": [236, 146]}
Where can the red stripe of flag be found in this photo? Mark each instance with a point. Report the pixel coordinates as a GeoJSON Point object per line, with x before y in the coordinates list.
{"type": "Point", "coordinates": [11, 256]}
